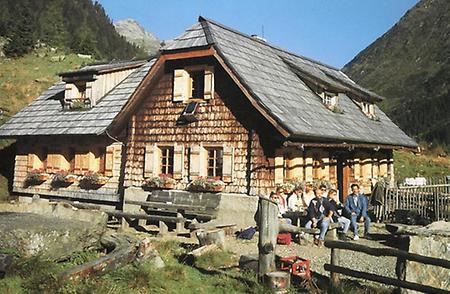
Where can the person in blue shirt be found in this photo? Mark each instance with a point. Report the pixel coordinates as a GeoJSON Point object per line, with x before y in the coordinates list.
{"type": "Point", "coordinates": [356, 208]}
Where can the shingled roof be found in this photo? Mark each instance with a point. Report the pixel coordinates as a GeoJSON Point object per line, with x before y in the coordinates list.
{"type": "Point", "coordinates": [278, 81]}
{"type": "Point", "coordinates": [45, 116]}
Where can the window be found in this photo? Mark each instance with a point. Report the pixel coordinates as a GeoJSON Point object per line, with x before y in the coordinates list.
{"type": "Point", "coordinates": [215, 162]}
{"type": "Point", "coordinates": [198, 84]}
{"type": "Point", "coordinates": [368, 109]}
{"type": "Point", "coordinates": [167, 155]}
{"type": "Point", "coordinates": [76, 96]}
{"type": "Point", "coordinates": [329, 99]}
{"type": "Point", "coordinates": [194, 82]}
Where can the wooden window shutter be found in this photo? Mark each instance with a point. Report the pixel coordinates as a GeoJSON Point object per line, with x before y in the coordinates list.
{"type": "Point", "coordinates": [78, 163]}
{"type": "Point", "coordinates": [279, 169]}
{"type": "Point", "coordinates": [209, 84]}
{"type": "Point", "coordinates": [109, 161]}
{"type": "Point", "coordinates": [32, 158]}
{"type": "Point", "coordinates": [194, 162]}
{"type": "Point", "coordinates": [181, 87]}
{"type": "Point", "coordinates": [152, 165]}
{"type": "Point", "coordinates": [178, 161]}
{"type": "Point", "coordinates": [228, 164]}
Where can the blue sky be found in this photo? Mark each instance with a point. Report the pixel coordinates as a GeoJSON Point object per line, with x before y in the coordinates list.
{"type": "Point", "coordinates": [331, 31]}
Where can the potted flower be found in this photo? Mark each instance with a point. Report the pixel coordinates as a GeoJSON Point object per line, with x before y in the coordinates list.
{"type": "Point", "coordinates": [93, 179]}
{"type": "Point", "coordinates": [290, 185]}
{"type": "Point", "coordinates": [63, 178]}
{"type": "Point", "coordinates": [203, 184]}
{"type": "Point", "coordinates": [163, 181]}
{"type": "Point", "coordinates": [36, 176]}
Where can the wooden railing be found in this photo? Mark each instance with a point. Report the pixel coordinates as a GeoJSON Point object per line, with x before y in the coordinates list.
{"type": "Point", "coordinates": [429, 201]}
{"type": "Point", "coordinates": [402, 256]}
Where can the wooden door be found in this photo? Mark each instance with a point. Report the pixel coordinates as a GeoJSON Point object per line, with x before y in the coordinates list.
{"type": "Point", "coordinates": [343, 177]}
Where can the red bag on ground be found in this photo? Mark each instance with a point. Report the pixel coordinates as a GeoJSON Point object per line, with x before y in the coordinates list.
{"type": "Point", "coordinates": [284, 238]}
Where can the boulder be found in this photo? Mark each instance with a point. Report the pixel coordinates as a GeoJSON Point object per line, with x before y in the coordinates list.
{"type": "Point", "coordinates": [54, 231]}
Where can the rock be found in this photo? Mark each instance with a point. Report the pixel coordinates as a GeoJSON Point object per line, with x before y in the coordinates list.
{"type": "Point", "coordinates": [208, 237]}
{"type": "Point", "coordinates": [249, 262]}
{"type": "Point", "coordinates": [5, 262]}
{"type": "Point", "coordinates": [84, 56]}
{"type": "Point", "coordinates": [137, 35]}
{"type": "Point", "coordinates": [54, 231]}
{"type": "Point", "coordinates": [147, 252]}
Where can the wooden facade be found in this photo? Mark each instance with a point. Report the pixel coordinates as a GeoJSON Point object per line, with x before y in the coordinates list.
{"type": "Point", "coordinates": [226, 121]}
{"type": "Point", "coordinates": [77, 156]}
{"type": "Point", "coordinates": [259, 161]}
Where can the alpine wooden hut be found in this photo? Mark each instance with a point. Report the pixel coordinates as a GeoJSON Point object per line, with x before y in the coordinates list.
{"type": "Point", "coordinates": [216, 103]}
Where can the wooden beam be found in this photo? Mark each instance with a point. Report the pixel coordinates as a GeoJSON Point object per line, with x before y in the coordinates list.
{"type": "Point", "coordinates": [268, 230]}
{"type": "Point", "coordinates": [250, 97]}
{"type": "Point", "coordinates": [118, 213]}
{"type": "Point", "coordinates": [189, 54]}
{"type": "Point", "coordinates": [388, 252]}
{"type": "Point", "coordinates": [383, 280]}
{"type": "Point", "coordinates": [345, 145]}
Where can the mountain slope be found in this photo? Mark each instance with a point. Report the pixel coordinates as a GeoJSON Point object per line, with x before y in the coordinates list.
{"type": "Point", "coordinates": [410, 66]}
{"type": "Point", "coordinates": [80, 26]}
{"type": "Point", "coordinates": [137, 35]}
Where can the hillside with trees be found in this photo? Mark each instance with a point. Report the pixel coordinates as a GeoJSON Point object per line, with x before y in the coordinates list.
{"type": "Point", "coordinates": [410, 66]}
{"type": "Point", "coordinates": [78, 26]}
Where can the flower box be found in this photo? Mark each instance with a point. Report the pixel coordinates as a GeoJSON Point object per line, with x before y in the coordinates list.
{"type": "Point", "coordinates": [36, 177]}
{"type": "Point", "coordinates": [206, 185]}
{"type": "Point", "coordinates": [163, 181]}
{"type": "Point", "coordinates": [62, 178]}
{"type": "Point", "coordinates": [93, 180]}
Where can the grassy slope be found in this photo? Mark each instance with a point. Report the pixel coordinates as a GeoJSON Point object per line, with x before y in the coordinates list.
{"type": "Point", "coordinates": [426, 164]}
{"type": "Point", "coordinates": [23, 79]}
{"type": "Point", "coordinates": [37, 276]}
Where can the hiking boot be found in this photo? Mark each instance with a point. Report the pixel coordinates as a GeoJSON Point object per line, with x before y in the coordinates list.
{"type": "Point", "coordinates": [356, 238]}
{"type": "Point", "coordinates": [320, 243]}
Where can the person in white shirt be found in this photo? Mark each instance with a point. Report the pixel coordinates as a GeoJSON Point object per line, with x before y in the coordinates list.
{"type": "Point", "coordinates": [308, 195]}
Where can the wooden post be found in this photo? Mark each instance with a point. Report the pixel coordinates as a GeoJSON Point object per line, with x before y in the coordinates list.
{"type": "Point", "coordinates": [163, 229]}
{"type": "Point", "coordinates": [334, 277]}
{"type": "Point", "coordinates": [268, 230]}
{"type": "Point", "coordinates": [180, 223]}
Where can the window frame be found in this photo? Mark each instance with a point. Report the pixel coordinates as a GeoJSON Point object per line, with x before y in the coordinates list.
{"type": "Point", "coordinates": [216, 169]}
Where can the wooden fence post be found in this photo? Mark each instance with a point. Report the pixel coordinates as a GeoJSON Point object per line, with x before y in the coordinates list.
{"type": "Point", "coordinates": [334, 277]}
{"type": "Point", "coordinates": [268, 230]}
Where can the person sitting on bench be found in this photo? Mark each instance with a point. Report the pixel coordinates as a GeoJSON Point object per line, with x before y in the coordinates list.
{"type": "Point", "coordinates": [316, 215]}
{"type": "Point", "coordinates": [336, 215]}
{"type": "Point", "coordinates": [356, 208]}
{"type": "Point", "coordinates": [281, 203]}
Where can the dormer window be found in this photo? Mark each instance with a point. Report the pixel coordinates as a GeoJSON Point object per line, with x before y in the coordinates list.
{"type": "Point", "coordinates": [194, 82]}
{"type": "Point", "coordinates": [77, 96]}
{"type": "Point", "coordinates": [329, 99]}
{"type": "Point", "coordinates": [368, 109]}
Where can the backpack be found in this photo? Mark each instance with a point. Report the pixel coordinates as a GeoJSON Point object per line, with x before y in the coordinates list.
{"type": "Point", "coordinates": [247, 234]}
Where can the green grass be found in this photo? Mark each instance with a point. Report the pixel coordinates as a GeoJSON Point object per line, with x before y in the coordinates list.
{"type": "Point", "coordinates": [39, 276]}
{"type": "Point", "coordinates": [426, 164]}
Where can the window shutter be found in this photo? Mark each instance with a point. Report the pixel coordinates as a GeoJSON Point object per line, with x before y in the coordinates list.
{"type": "Point", "coordinates": [78, 163]}
{"type": "Point", "coordinates": [279, 169]}
{"type": "Point", "coordinates": [109, 161]}
{"type": "Point", "coordinates": [180, 85]}
{"type": "Point", "coordinates": [194, 162]}
{"type": "Point", "coordinates": [209, 84]}
{"type": "Point", "coordinates": [151, 161]}
{"type": "Point", "coordinates": [31, 161]}
{"type": "Point", "coordinates": [178, 161]}
{"type": "Point", "coordinates": [228, 164]}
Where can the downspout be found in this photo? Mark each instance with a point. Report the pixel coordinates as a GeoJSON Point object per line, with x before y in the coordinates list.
{"type": "Point", "coordinates": [248, 175]}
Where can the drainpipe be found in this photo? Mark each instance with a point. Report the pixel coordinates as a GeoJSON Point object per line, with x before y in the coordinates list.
{"type": "Point", "coordinates": [248, 175]}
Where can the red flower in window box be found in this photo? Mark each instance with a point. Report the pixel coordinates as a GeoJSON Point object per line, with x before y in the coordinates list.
{"type": "Point", "coordinates": [93, 180]}
{"type": "Point", "coordinates": [163, 181]}
{"type": "Point", "coordinates": [36, 176]}
{"type": "Point", "coordinates": [203, 184]}
{"type": "Point", "coordinates": [63, 178]}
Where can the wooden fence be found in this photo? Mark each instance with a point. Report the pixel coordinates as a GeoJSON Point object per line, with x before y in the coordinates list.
{"type": "Point", "coordinates": [431, 201]}
{"type": "Point", "coordinates": [402, 256]}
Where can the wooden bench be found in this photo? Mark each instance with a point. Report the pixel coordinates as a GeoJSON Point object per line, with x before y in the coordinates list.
{"type": "Point", "coordinates": [179, 207]}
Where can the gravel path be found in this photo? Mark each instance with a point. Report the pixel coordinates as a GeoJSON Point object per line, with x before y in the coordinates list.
{"type": "Point", "coordinates": [384, 266]}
